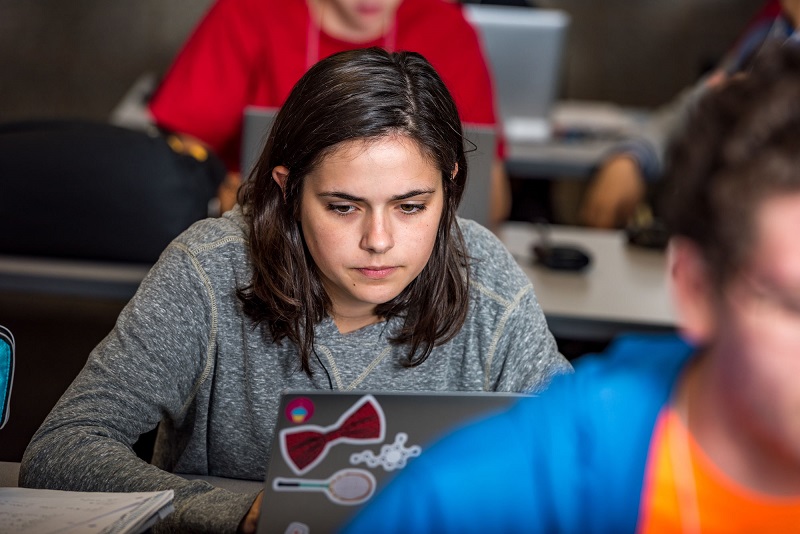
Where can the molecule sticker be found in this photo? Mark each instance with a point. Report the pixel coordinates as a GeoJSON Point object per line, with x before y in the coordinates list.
{"type": "Point", "coordinates": [391, 457]}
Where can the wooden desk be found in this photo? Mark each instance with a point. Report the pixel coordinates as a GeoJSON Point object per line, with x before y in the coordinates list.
{"type": "Point", "coordinates": [555, 159]}
{"type": "Point", "coordinates": [9, 474]}
{"type": "Point", "coordinates": [623, 289]}
{"type": "Point", "coordinates": [584, 133]}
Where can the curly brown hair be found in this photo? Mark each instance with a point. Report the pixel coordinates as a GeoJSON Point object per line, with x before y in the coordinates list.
{"type": "Point", "coordinates": [740, 146]}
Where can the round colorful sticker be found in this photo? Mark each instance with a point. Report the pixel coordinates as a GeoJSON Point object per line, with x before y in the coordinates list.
{"type": "Point", "coordinates": [299, 410]}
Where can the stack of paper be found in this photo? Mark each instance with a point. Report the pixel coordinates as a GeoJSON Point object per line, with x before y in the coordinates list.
{"type": "Point", "coordinates": [39, 511]}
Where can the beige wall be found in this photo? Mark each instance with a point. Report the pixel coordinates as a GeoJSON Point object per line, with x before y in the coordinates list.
{"type": "Point", "coordinates": [76, 58]}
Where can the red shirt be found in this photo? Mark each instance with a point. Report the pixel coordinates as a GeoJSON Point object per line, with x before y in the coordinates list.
{"type": "Point", "coordinates": [252, 52]}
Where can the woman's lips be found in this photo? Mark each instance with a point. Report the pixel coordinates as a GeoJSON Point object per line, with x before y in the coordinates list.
{"type": "Point", "coordinates": [369, 10]}
{"type": "Point", "coordinates": [376, 273]}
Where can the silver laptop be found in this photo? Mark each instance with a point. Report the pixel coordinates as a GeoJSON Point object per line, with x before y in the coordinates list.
{"type": "Point", "coordinates": [480, 147]}
{"type": "Point", "coordinates": [256, 124]}
{"type": "Point", "coordinates": [525, 49]}
{"type": "Point", "coordinates": [333, 451]}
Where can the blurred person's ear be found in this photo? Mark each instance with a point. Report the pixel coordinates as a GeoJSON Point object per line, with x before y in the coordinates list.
{"type": "Point", "coordinates": [693, 292]}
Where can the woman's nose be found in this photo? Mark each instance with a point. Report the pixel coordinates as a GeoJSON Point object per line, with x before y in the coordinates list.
{"type": "Point", "coordinates": [377, 236]}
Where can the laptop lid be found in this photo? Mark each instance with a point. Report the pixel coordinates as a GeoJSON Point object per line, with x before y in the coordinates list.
{"type": "Point", "coordinates": [524, 47]}
{"type": "Point", "coordinates": [480, 151]}
{"type": "Point", "coordinates": [256, 124]}
{"type": "Point", "coordinates": [480, 148]}
{"type": "Point", "coordinates": [334, 450]}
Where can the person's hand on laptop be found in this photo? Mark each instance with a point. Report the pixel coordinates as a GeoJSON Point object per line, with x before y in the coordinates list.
{"type": "Point", "coordinates": [249, 522]}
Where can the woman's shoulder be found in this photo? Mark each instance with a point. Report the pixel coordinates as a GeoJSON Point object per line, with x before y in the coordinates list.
{"type": "Point", "coordinates": [482, 242]}
{"type": "Point", "coordinates": [492, 266]}
{"type": "Point", "coordinates": [229, 230]}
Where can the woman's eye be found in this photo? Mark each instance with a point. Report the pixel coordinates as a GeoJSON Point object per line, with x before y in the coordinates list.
{"type": "Point", "coordinates": [341, 209]}
{"type": "Point", "coordinates": [411, 208]}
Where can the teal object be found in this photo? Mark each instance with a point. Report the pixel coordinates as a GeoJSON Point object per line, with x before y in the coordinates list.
{"type": "Point", "coordinates": [6, 372]}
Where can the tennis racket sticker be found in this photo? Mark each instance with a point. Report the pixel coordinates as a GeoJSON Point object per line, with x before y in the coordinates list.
{"type": "Point", "coordinates": [347, 487]}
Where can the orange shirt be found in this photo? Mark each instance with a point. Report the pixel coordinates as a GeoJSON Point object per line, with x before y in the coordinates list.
{"type": "Point", "coordinates": [706, 501]}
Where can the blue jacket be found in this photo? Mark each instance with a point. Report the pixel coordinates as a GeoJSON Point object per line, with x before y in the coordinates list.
{"type": "Point", "coordinates": [570, 460]}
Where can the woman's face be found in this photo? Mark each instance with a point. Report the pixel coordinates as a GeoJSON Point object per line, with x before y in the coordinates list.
{"type": "Point", "coordinates": [370, 213]}
{"type": "Point", "coordinates": [366, 19]}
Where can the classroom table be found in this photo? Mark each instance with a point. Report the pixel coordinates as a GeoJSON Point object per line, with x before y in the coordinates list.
{"type": "Point", "coordinates": [623, 289]}
{"type": "Point", "coordinates": [583, 134]}
{"type": "Point", "coordinates": [67, 277]}
{"type": "Point", "coordinates": [9, 472]}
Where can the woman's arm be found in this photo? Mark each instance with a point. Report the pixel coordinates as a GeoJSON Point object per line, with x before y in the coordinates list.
{"type": "Point", "coordinates": [149, 367]}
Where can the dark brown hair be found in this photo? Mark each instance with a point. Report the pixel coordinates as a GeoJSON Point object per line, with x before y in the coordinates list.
{"type": "Point", "coordinates": [362, 94]}
{"type": "Point", "coordinates": [740, 146]}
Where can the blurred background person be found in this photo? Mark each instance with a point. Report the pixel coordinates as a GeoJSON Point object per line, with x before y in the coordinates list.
{"type": "Point", "coordinates": [621, 181]}
{"type": "Point", "coordinates": [662, 434]}
{"type": "Point", "coordinates": [251, 52]}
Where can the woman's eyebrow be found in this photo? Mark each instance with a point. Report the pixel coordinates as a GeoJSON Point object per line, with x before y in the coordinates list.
{"type": "Point", "coordinates": [414, 193]}
{"type": "Point", "coordinates": [353, 198]}
{"type": "Point", "coordinates": [342, 195]}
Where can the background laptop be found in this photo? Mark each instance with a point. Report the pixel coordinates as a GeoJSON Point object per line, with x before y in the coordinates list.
{"type": "Point", "coordinates": [333, 450]}
{"type": "Point", "coordinates": [524, 47]}
{"type": "Point", "coordinates": [475, 201]}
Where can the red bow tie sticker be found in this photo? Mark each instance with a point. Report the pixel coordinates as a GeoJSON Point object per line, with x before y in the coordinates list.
{"type": "Point", "coordinates": [305, 446]}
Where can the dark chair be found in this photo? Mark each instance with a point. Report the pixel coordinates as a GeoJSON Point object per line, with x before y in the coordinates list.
{"type": "Point", "coordinates": [93, 191]}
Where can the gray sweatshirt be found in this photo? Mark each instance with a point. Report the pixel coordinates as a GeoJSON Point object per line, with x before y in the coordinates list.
{"type": "Point", "coordinates": [183, 354]}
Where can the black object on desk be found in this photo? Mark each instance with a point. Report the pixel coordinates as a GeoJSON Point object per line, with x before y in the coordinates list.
{"type": "Point", "coordinates": [559, 257]}
{"type": "Point", "coordinates": [652, 234]}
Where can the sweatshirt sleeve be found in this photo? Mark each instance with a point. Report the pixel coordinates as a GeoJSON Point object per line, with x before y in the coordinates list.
{"type": "Point", "coordinates": [149, 367]}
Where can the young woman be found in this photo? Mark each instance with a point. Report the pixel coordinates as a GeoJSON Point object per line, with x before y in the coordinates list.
{"type": "Point", "coordinates": [345, 268]}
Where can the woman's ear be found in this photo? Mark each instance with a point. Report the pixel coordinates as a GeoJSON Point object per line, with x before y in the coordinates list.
{"type": "Point", "coordinates": [693, 292]}
{"type": "Point", "coordinates": [455, 172]}
{"type": "Point", "coordinates": [280, 174]}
